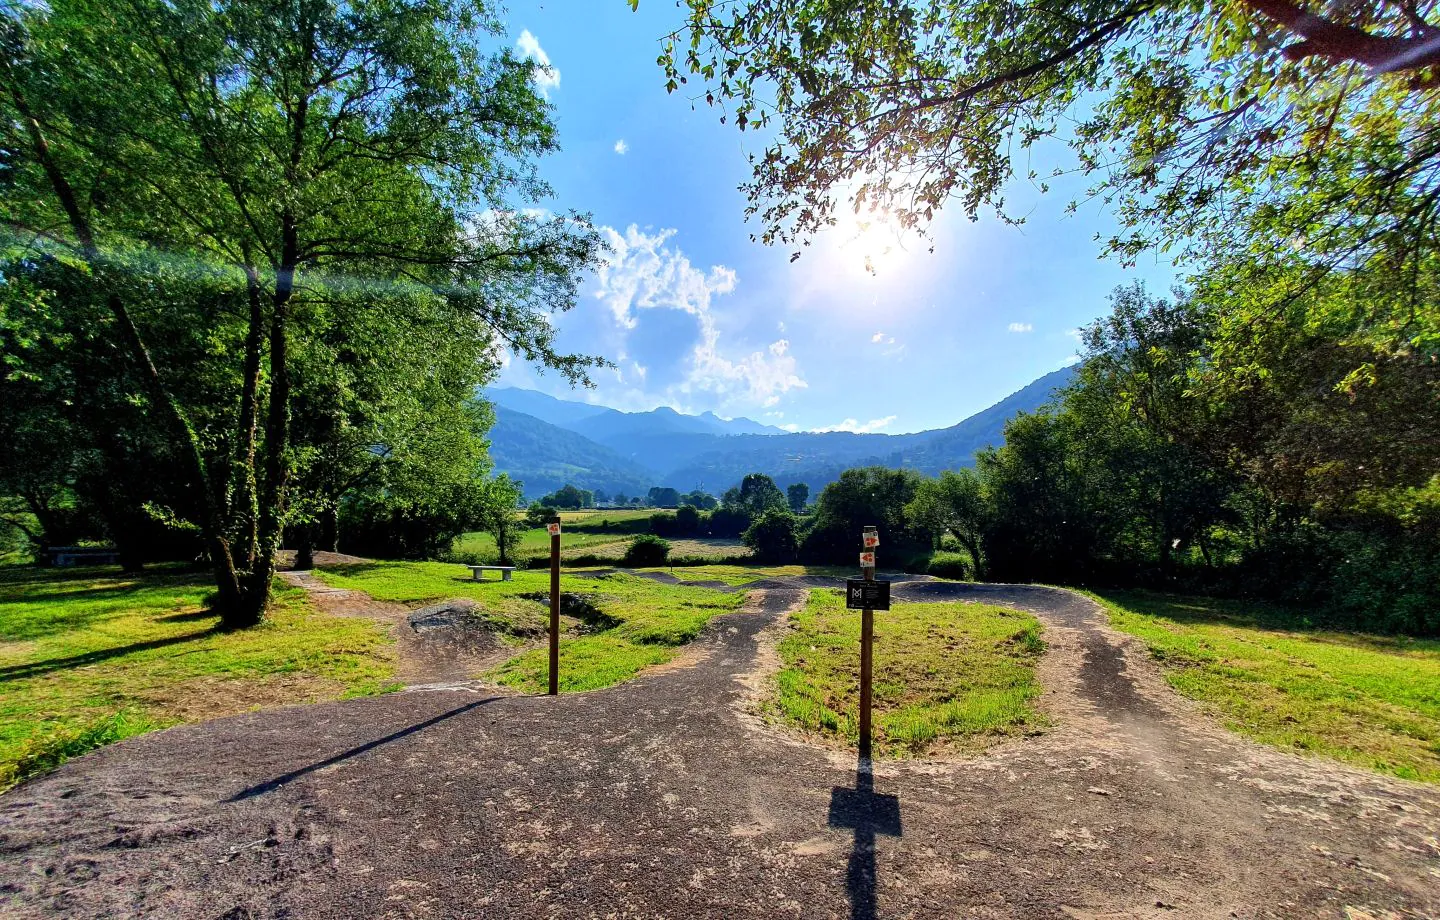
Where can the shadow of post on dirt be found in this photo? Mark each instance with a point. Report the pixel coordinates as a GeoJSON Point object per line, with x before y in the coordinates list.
{"type": "Point", "coordinates": [273, 784]}
{"type": "Point", "coordinates": [868, 813]}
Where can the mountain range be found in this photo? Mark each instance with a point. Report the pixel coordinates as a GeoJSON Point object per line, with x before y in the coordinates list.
{"type": "Point", "coordinates": [547, 442]}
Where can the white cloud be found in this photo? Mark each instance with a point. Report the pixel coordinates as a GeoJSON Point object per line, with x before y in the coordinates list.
{"type": "Point", "coordinates": [1073, 333]}
{"type": "Point", "coordinates": [621, 147]}
{"type": "Point", "coordinates": [643, 273]}
{"type": "Point", "coordinates": [790, 426]}
{"type": "Point", "coordinates": [1021, 327]}
{"type": "Point", "coordinates": [881, 338]}
{"type": "Point", "coordinates": [852, 425]}
{"type": "Point", "coordinates": [1071, 361]}
{"type": "Point", "coordinates": [545, 74]}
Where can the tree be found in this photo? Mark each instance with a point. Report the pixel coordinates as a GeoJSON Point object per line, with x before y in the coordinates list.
{"type": "Point", "coordinates": [756, 494]}
{"type": "Point", "coordinates": [687, 520]}
{"type": "Point", "coordinates": [858, 498]}
{"type": "Point", "coordinates": [497, 515]}
{"type": "Point", "coordinates": [700, 499]}
{"type": "Point", "coordinates": [798, 494]}
{"type": "Point", "coordinates": [774, 537]}
{"type": "Point", "coordinates": [569, 497]}
{"type": "Point", "coordinates": [280, 153]}
{"type": "Point", "coordinates": [954, 503]}
{"type": "Point", "coordinates": [663, 497]}
{"type": "Point", "coordinates": [1182, 110]}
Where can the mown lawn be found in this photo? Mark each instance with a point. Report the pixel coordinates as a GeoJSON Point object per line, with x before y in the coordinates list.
{"type": "Point", "coordinates": [1373, 701]}
{"type": "Point", "coordinates": [947, 676]}
{"type": "Point", "coordinates": [89, 656]}
{"type": "Point", "coordinates": [633, 622]}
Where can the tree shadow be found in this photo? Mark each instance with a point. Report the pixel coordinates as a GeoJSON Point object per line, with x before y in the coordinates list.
{"type": "Point", "coordinates": [353, 568]}
{"type": "Point", "coordinates": [868, 813]}
{"type": "Point", "coordinates": [273, 784]}
{"type": "Point", "coordinates": [37, 668]}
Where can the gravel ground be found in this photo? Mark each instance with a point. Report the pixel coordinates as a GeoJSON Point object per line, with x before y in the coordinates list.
{"type": "Point", "coordinates": [667, 797]}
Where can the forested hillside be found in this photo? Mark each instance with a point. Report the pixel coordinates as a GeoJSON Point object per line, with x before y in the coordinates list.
{"type": "Point", "coordinates": [668, 448]}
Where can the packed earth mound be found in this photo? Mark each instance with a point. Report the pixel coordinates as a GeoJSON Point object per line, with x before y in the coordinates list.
{"type": "Point", "coordinates": [666, 796]}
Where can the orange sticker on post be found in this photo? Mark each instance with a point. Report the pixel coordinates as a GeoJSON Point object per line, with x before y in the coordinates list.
{"type": "Point", "coordinates": [554, 529]}
{"type": "Point", "coordinates": [867, 560]}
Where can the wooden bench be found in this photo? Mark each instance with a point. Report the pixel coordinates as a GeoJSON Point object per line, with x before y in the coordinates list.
{"type": "Point", "coordinates": [504, 570]}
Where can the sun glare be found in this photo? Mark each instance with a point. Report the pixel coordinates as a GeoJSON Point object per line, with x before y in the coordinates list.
{"type": "Point", "coordinates": [869, 245]}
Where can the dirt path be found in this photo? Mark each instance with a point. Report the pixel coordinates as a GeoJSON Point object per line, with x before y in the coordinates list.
{"type": "Point", "coordinates": [662, 798]}
{"type": "Point", "coordinates": [433, 647]}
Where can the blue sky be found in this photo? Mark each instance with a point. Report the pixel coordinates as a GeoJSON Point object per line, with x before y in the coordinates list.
{"type": "Point", "coordinates": [696, 316]}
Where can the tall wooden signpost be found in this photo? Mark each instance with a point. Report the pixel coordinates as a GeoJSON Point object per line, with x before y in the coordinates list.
{"type": "Point", "coordinates": [868, 595]}
{"type": "Point", "coordinates": [554, 528]}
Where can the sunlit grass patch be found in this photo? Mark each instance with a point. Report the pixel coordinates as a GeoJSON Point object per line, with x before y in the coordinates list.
{"type": "Point", "coordinates": [946, 675]}
{"type": "Point", "coordinates": [89, 656]}
{"type": "Point", "coordinates": [1373, 701]}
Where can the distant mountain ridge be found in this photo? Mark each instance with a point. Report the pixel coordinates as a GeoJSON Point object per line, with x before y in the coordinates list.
{"type": "Point", "coordinates": [596, 447]}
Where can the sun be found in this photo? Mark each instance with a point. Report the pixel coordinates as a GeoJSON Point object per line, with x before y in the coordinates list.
{"type": "Point", "coordinates": [870, 243]}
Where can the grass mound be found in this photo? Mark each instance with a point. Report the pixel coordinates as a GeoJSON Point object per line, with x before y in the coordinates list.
{"type": "Point", "coordinates": [954, 676]}
{"type": "Point", "coordinates": [1373, 701]}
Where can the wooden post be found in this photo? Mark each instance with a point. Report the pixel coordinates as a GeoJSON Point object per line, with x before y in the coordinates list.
{"type": "Point", "coordinates": [555, 607]}
{"type": "Point", "coordinates": [867, 652]}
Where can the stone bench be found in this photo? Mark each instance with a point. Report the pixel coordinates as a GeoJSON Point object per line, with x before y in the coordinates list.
{"type": "Point", "coordinates": [69, 556]}
{"type": "Point", "coordinates": [476, 571]}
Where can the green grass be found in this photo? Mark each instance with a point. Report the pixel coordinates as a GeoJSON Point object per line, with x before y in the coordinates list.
{"type": "Point", "coordinates": [947, 676]}
{"type": "Point", "coordinates": [88, 657]}
{"type": "Point", "coordinates": [1372, 701]}
{"type": "Point", "coordinates": [639, 622]}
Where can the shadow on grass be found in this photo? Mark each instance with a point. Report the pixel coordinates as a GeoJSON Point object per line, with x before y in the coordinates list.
{"type": "Point", "coordinates": [358, 568]}
{"type": "Point", "coordinates": [1189, 610]}
{"type": "Point", "coordinates": [279, 781]}
{"type": "Point", "coordinates": [36, 668]}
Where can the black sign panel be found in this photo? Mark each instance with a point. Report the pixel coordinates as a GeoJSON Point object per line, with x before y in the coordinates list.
{"type": "Point", "coordinates": [861, 593]}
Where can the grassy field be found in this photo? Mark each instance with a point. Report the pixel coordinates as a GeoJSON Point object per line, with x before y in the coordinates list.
{"type": "Point", "coordinates": [1373, 701]}
{"type": "Point", "coordinates": [947, 676]}
{"type": "Point", "coordinates": [88, 657]}
{"type": "Point", "coordinates": [630, 623]}
{"type": "Point", "coordinates": [535, 543]}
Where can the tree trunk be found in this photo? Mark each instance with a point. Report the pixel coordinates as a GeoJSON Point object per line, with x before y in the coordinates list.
{"type": "Point", "coordinates": [330, 528]}
{"type": "Point", "coordinates": [232, 602]}
{"type": "Point", "coordinates": [304, 547]}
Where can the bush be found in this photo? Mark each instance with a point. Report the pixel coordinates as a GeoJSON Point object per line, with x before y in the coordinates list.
{"type": "Point", "coordinates": [662, 523]}
{"type": "Point", "coordinates": [687, 520]}
{"type": "Point", "coordinates": [728, 522]}
{"type": "Point", "coordinates": [538, 515]}
{"type": "Point", "coordinates": [646, 550]}
{"type": "Point", "coordinates": [949, 565]}
{"type": "Point", "coordinates": [774, 537]}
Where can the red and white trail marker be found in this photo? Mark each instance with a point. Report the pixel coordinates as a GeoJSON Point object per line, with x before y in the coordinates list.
{"type": "Point", "coordinates": [867, 560]}
{"type": "Point", "coordinates": [554, 529]}
{"type": "Point", "coordinates": [872, 540]}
